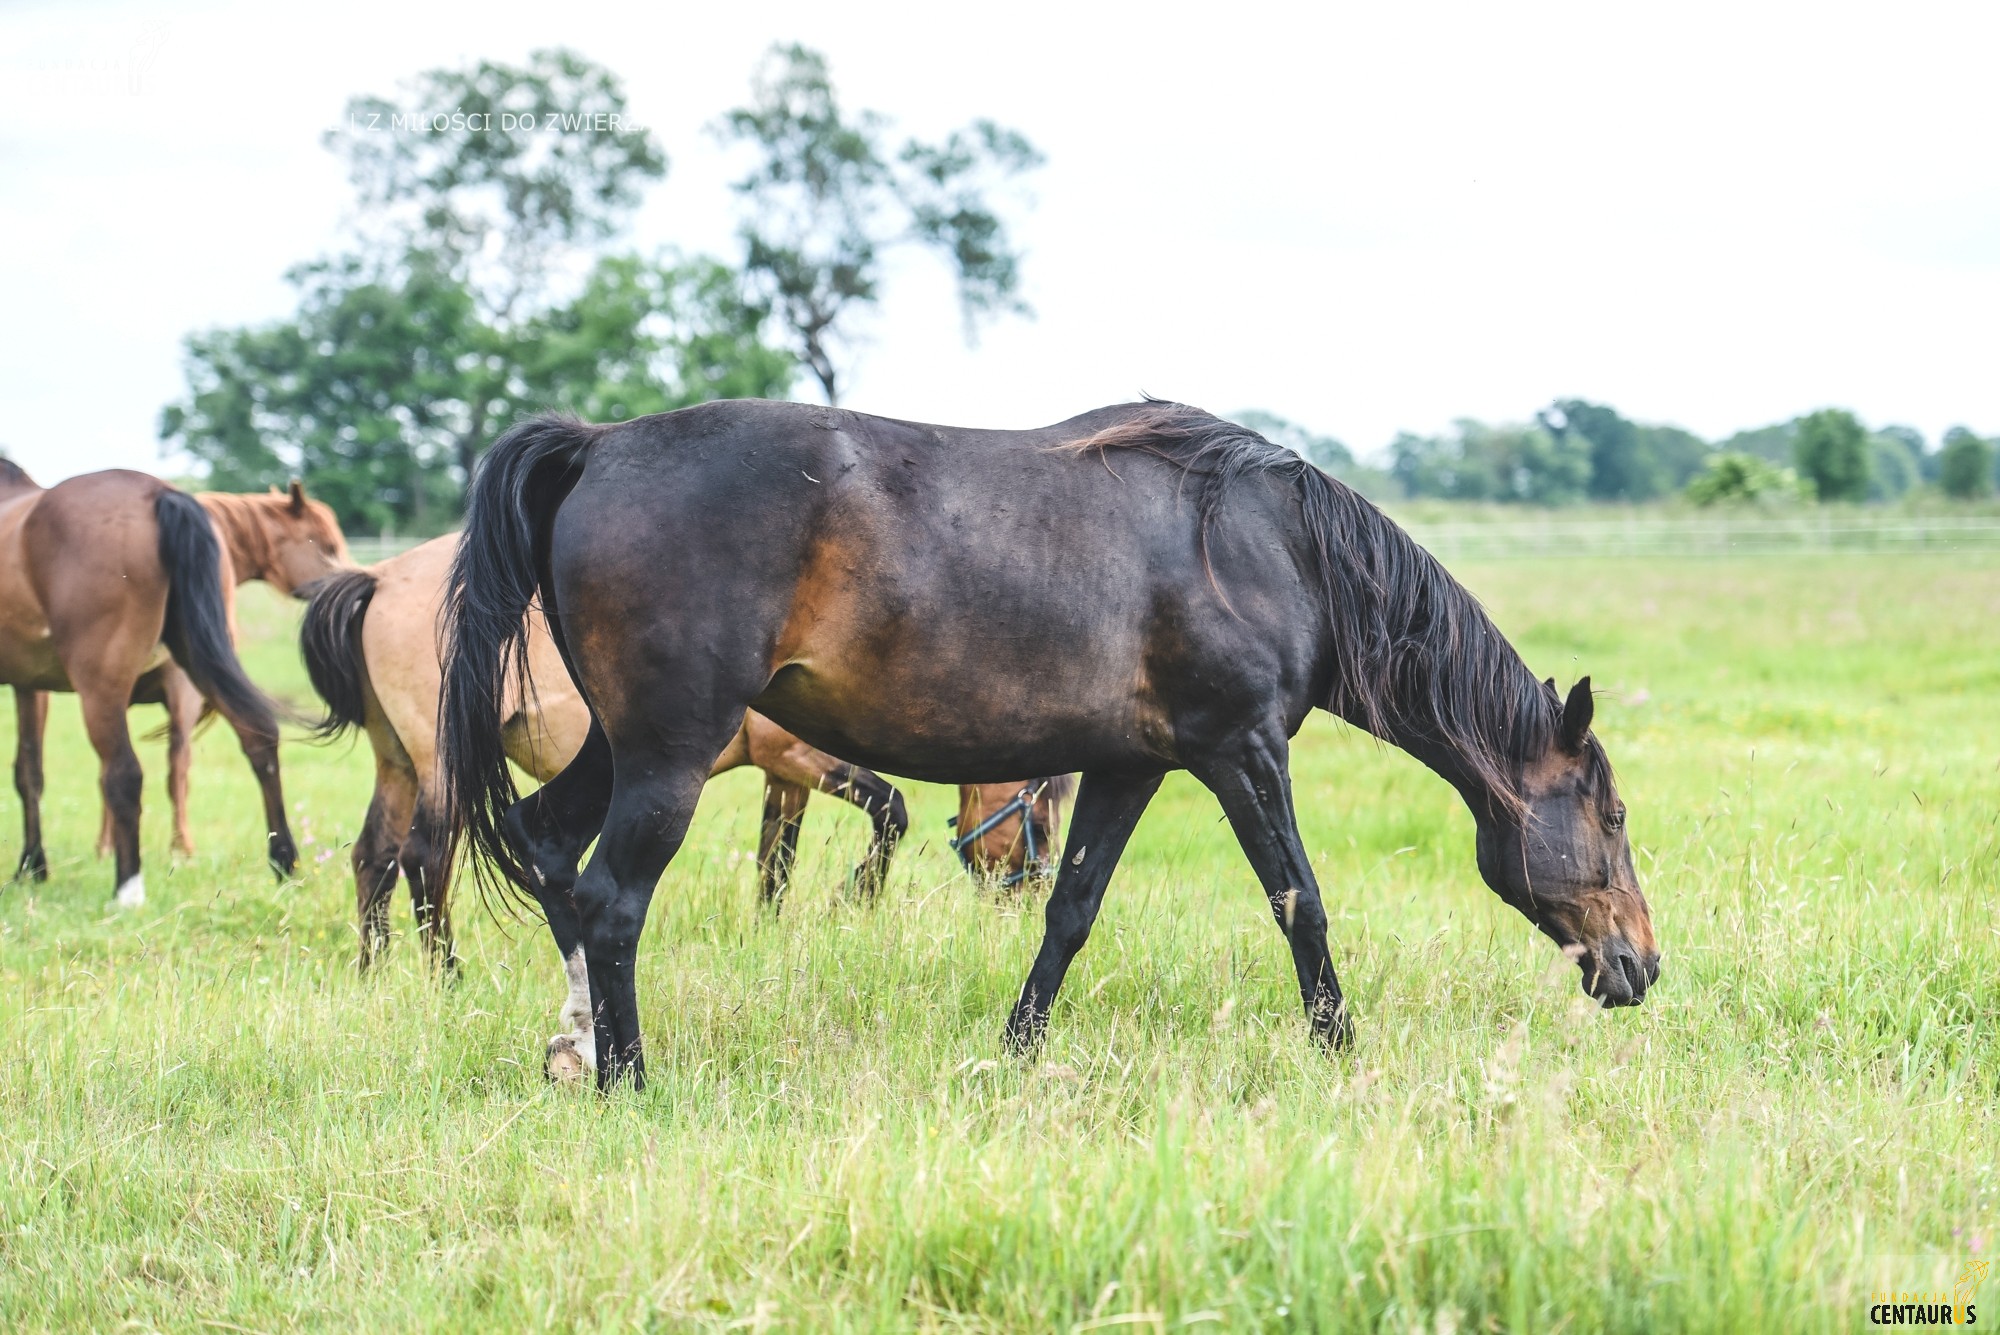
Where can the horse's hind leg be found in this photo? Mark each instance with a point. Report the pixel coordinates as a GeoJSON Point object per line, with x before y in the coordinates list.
{"type": "Point", "coordinates": [184, 702]}
{"type": "Point", "coordinates": [1107, 807]}
{"type": "Point", "coordinates": [376, 856]}
{"type": "Point", "coordinates": [261, 750]}
{"type": "Point", "coordinates": [120, 778]}
{"type": "Point", "coordinates": [430, 900]}
{"type": "Point", "coordinates": [787, 759]}
{"type": "Point", "coordinates": [550, 828]}
{"type": "Point", "coordinates": [778, 839]}
{"type": "Point", "coordinates": [653, 797]}
{"type": "Point", "coordinates": [1254, 785]}
{"type": "Point", "coordinates": [31, 712]}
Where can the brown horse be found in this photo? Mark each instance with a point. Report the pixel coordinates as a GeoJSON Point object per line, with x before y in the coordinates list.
{"type": "Point", "coordinates": [104, 579]}
{"type": "Point", "coordinates": [1007, 832]}
{"type": "Point", "coordinates": [1140, 589]}
{"type": "Point", "coordinates": [285, 539]}
{"type": "Point", "coordinates": [370, 647]}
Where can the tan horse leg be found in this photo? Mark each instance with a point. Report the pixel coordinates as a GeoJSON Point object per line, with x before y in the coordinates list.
{"type": "Point", "coordinates": [31, 712]}
{"type": "Point", "coordinates": [378, 852]}
{"type": "Point", "coordinates": [778, 840]}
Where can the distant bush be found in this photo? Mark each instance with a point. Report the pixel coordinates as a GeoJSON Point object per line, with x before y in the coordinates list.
{"type": "Point", "coordinates": [1741, 477]}
{"type": "Point", "coordinates": [1965, 468]}
{"type": "Point", "coordinates": [1832, 453]}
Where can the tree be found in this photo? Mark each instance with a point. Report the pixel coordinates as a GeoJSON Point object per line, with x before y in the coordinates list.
{"type": "Point", "coordinates": [1832, 453]}
{"type": "Point", "coordinates": [1965, 465]}
{"type": "Point", "coordinates": [475, 297]}
{"type": "Point", "coordinates": [530, 161]}
{"type": "Point", "coordinates": [1894, 466]}
{"type": "Point", "coordinates": [1736, 476]}
{"type": "Point", "coordinates": [366, 393]}
{"type": "Point", "coordinates": [826, 197]}
{"type": "Point", "coordinates": [1510, 462]}
{"type": "Point", "coordinates": [1628, 461]}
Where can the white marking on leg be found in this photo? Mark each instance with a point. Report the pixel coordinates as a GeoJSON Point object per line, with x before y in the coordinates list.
{"type": "Point", "coordinates": [131, 894]}
{"type": "Point", "coordinates": [580, 1033]}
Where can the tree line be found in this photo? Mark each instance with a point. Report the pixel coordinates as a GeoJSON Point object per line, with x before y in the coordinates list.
{"type": "Point", "coordinates": [1574, 451]}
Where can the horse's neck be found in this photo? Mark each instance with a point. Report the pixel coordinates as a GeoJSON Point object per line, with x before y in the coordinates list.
{"type": "Point", "coordinates": [242, 532]}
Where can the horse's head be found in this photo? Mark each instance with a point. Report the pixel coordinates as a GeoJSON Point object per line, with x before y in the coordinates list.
{"type": "Point", "coordinates": [1566, 862]}
{"type": "Point", "coordinates": [302, 539]}
{"type": "Point", "coordinates": [992, 840]}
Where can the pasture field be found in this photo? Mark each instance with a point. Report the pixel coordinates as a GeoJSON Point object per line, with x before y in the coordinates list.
{"type": "Point", "coordinates": [207, 1121]}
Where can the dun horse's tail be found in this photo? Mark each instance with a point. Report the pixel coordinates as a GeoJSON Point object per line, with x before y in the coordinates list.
{"type": "Point", "coordinates": [330, 642]}
{"type": "Point", "coordinates": [197, 627]}
{"type": "Point", "coordinates": [495, 581]}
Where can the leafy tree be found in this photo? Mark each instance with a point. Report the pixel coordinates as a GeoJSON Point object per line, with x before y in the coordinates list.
{"type": "Point", "coordinates": [827, 196]}
{"type": "Point", "coordinates": [1965, 465]}
{"type": "Point", "coordinates": [1478, 462]}
{"type": "Point", "coordinates": [1893, 466]}
{"type": "Point", "coordinates": [366, 393]}
{"type": "Point", "coordinates": [1832, 453]}
{"type": "Point", "coordinates": [1734, 475]}
{"type": "Point", "coordinates": [403, 360]}
{"type": "Point", "coordinates": [1628, 461]}
{"type": "Point", "coordinates": [1774, 443]}
{"type": "Point", "coordinates": [500, 169]}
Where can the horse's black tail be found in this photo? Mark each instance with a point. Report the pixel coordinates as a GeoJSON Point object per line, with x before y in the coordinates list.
{"type": "Point", "coordinates": [494, 582]}
{"type": "Point", "coordinates": [330, 642]}
{"type": "Point", "coordinates": [197, 626]}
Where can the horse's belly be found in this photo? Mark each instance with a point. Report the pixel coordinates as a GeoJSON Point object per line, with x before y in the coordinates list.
{"type": "Point", "coordinates": [908, 719]}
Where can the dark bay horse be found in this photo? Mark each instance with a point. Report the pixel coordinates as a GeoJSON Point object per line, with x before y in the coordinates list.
{"type": "Point", "coordinates": [105, 578]}
{"type": "Point", "coordinates": [285, 539]}
{"type": "Point", "coordinates": [1141, 588]}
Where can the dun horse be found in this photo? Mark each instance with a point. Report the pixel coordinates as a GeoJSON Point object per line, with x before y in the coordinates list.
{"type": "Point", "coordinates": [370, 648]}
{"type": "Point", "coordinates": [283, 539]}
{"type": "Point", "coordinates": [1138, 589]}
{"type": "Point", "coordinates": [105, 579]}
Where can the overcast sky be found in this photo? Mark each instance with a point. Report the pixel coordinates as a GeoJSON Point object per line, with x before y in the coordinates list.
{"type": "Point", "coordinates": [1364, 217]}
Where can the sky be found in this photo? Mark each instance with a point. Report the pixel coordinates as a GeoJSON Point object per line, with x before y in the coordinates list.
{"type": "Point", "coordinates": [1366, 218]}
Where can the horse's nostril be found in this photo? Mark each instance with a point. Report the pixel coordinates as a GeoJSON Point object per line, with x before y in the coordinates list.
{"type": "Point", "coordinates": [1635, 976]}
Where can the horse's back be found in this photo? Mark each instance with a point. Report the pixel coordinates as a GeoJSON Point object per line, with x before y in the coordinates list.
{"type": "Point", "coordinates": [82, 558]}
{"type": "Point", "coordinates": [898, 593]}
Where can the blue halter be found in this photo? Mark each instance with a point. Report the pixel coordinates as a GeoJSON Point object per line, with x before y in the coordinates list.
{"type": "Point", "coordinates": [1022, 805]}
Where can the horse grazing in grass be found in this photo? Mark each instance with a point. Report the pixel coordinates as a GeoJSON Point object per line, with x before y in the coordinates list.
{"type": "Point", "coordinates": [105, 579]}
{"type": "Point", "coordinates": [286, 540]}
{"type": "Point", "coordinates": [370, 647]}
{"type": "Point", "coordinates": [1138, 589]}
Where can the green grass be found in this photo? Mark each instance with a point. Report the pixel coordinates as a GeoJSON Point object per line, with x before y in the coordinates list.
{"type": "Point", "coordinates": [208, 1122]}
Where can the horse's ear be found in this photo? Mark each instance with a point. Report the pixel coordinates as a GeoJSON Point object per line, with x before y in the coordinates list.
{"type": "Point", "coordinates": [298, 497]}
{"type": "Point", "coordinates": [1554, 694]}
{"type": "Point", "coordinates": [1577, 711]}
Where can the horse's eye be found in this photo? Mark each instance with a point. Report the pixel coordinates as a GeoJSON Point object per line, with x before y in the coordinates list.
{"type": "Point", "coordinates": [1616, 820]}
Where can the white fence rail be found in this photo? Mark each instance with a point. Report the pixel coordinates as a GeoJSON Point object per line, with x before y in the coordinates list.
{"type": "Point", "coordinates": [1662, 535]}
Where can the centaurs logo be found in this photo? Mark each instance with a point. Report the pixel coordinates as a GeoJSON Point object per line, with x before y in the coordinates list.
{"type": "Point", "coordinates": [1933, 1309]}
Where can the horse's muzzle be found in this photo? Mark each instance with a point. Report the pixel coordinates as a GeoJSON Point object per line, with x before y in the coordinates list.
{"type": "Point", "coordinates": [1618, 973]}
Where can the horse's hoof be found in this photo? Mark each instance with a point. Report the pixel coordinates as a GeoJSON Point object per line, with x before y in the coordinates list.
{"type": "Point", "coordinates": [565, 1063]}
{"type": "Point", "coordinates": [132, 893]}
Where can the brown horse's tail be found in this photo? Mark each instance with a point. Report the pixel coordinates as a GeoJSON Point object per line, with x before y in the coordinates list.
{"type": "Point", "coordinates": [496, 579]}
{"type": "Point", "coordinates": [197, 626]}
{"type": "Point", "coordinates": [330, 642]}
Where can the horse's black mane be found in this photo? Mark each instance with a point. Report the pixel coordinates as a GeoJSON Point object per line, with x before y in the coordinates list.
{"type": "Point", "coordinates": [1417, 660]}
